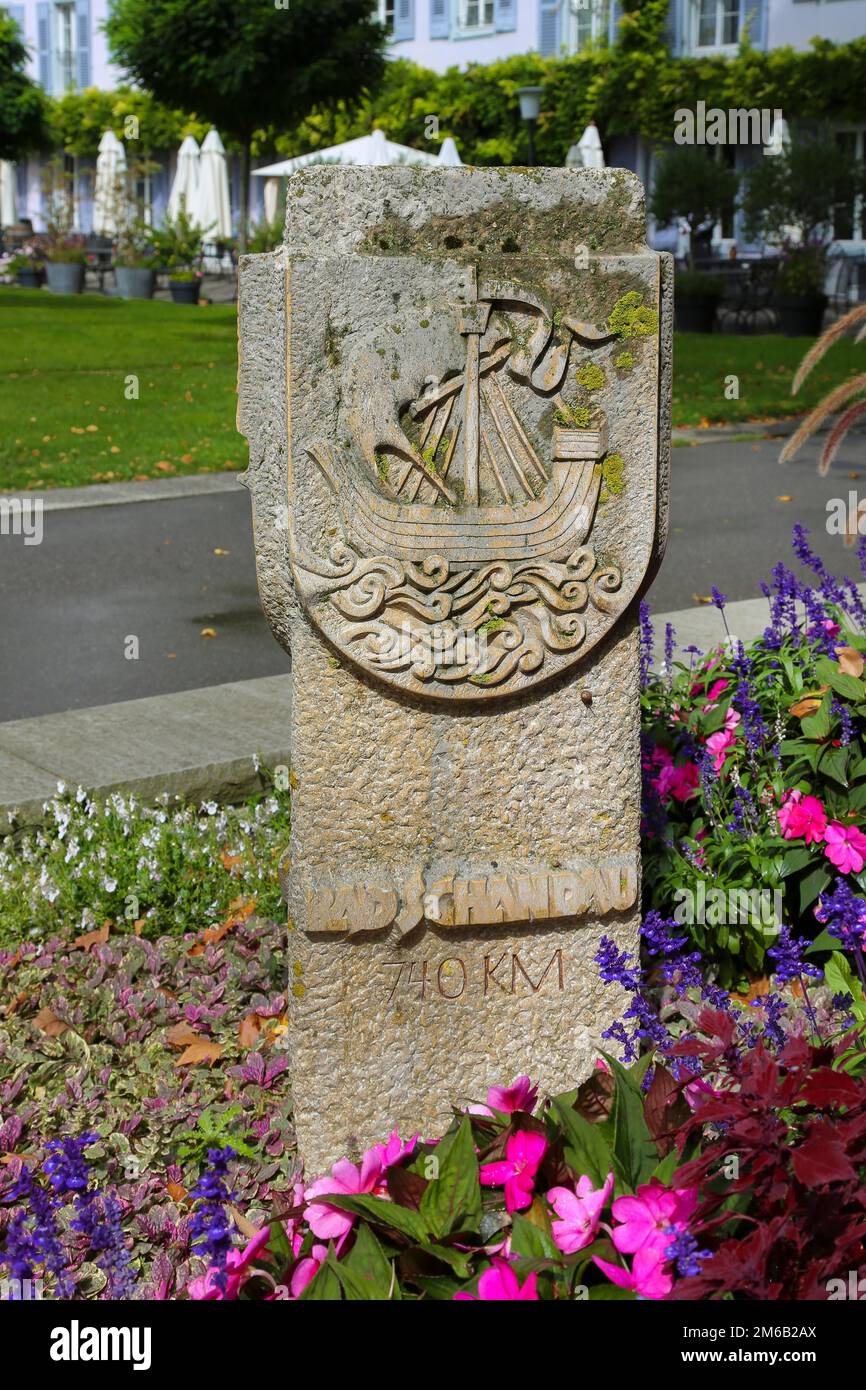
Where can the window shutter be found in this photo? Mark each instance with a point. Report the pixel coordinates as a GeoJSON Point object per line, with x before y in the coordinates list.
{"type": "Point", "coordinates": [674, 27]}
{"type": "Point", "coordinates": [549, 28]}
{"type": "Point", "coordinates": [82, 41]}
{"type": "Point", "coordinates": [43, 43]}
{"type": "Point", "coordinates": [505, 15]}
{"type": "Point", "coordinates": [16, 12]}
{"type": "Point", "coordinates": [439, 19]}
{"type": "Point", "coordinates": [404, 19]}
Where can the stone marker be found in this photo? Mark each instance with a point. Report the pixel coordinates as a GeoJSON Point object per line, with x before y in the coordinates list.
{"type": "Point", "coordinates": [456, 392]}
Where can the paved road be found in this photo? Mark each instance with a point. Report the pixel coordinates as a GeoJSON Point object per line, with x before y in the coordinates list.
{"type": "Point", "coordinates": [149, 570]}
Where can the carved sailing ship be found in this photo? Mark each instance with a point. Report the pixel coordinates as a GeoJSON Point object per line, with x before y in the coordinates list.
{"type": "Point", "coordinates": [542, 510]}
{"type": "Point", "coordinates": [465, 561]}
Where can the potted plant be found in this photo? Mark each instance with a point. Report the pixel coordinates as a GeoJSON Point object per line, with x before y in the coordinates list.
{"type": "Point", "coordinates": [65, 256]}
{"type": "Point", "coordinates": [135, 263]}
{"type": "Point", "coordinates": [789, 199]}
{"type": "Point", "coordinates": [26, 268]}
{"type": "Point", "coordinates": [693, 186]}
{"type": "Point", "coordinates": [185, 286]}
{"type": "Point", "coordinates": [65, 266]}
{"type": "Point", "coordinates": [177, 246]}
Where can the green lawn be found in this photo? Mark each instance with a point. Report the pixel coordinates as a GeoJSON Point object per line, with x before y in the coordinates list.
{"type": "Point", "coordinates": [64, 362]}
{"type": "Point", "coordinates": [64, 415]}
{"type": "Point", "coordinates": [765, 366]}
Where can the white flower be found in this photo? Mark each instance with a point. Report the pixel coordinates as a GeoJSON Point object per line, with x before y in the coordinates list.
{"type": "Point", "coordinates": [109, 884]}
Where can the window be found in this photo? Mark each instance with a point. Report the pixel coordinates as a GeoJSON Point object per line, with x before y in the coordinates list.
{"type": "Point", "coordinates": [386, 14]}
{"type": "Point", "coordinates": [849, 219]}
{"type": "Point", "coordinates": [716, 23]}
{"type": "Point", "coordinates": [64, 47]}
{"type": "Point", "coordinates": [476, 14]}
{"type": "Point", "coordinates": [587, 21]}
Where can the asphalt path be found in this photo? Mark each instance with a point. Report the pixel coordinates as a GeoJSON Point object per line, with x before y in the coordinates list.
{"type": "Point", "coordinates": [169, 573]}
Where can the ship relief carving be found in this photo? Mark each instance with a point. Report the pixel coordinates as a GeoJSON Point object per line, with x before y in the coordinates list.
{"type": "Point", "coordinates": [465, 566]}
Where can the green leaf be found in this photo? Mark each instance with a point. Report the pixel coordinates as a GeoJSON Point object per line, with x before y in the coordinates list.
{"type": "Point", "coordinates": [823, 942]}
{"type": "Point", "coordinates": [797, 859]}
{"type": "Point", "coordinates": [458, 1260]}
{"type": "Point", "coordinates": [635, 1155]}
{"type": "Point", "coordinates": [530, 1240]}
{"type": "Point", "coordinates": [840, 979]}
{"type": "Point", "coordinates": [610, 1293]}
{"type": "Point", "coordinates": [812, 885]}
{"type": "Point", "coordinates": [586, 1151]}
{"type": "Point", "coordinates": [452, 1202]}
{"type": "Point", "coordinates": [383, 1213]}
{"type": "Point", "coordinates": [365, 1272]}
{"type": "Point", "coordinates": [325, 1284]}
{"type": "Point", "coordinates": [817, 725]}
{"type": "Point", "coordinates": [834, 763]}
{"type": "Point", "coordinates": [850, 687]}
{"type": "Point", "coordinates": [438, 1286]}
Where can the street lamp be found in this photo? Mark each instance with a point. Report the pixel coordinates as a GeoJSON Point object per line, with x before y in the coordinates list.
{"type": "Point", "coordinates": [530, 106]}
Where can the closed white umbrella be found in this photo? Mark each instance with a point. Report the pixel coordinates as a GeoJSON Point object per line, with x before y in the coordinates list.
{"type": "Point", "coordinates": [271, 198]}
{"type": "Point", "coordinates": [184, 188]}
{"type": "Point", "coordinates": [589, 145]}
{"type": "Point", "coordinates": [8, 194]}
{"type": "Point", "coordinates": [448, 155]}
{"type": "Point", "coordinates": [211, 208]}
{"type": "Point", "coordinates": [780, 137]}
{"type": "Point", "coordinates": [109, 192]}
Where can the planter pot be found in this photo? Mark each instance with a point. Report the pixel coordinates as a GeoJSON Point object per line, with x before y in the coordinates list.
{"type": "Point", "coordinates": [185, 291]}
{"type": "Point", "coordinates": [65, 277]}
{"type": "Point", "coordinates": [695, 314]}
{"type": "Point", "coordinates": [801, 315]}
{"type": "Point", "coordinates": [29, 279]}
{"type": "Point", "coordinates": [134, 282]}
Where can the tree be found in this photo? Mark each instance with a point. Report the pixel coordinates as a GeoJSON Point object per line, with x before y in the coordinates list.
{"type": "Point", "coordinates": [691, 184]}
{"type": "Point", "coordinates": [248, 65]}
{"type": "Point", "coordinates": [800, 189]}
{"type": "Point", "coordinates": [22, 104]}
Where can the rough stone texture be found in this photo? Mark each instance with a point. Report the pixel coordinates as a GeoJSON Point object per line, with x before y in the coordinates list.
{"type": "Point", "coordinates": [457, 851]}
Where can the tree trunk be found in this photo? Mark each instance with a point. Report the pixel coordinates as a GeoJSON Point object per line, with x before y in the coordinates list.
{"type": "Point", "coordinates": [243, 224]}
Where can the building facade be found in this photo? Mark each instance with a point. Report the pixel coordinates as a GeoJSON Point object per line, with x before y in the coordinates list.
{"type": "Point", "coordinates": [68, 50]}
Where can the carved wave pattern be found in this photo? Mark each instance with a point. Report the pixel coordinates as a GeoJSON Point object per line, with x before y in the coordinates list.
{"type": "Point", "coordinates": [482, 625]}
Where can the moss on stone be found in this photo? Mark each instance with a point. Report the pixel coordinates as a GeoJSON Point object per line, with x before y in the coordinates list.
{"type": "Point", "coordinates": [613, 474]}
{"type": "Point", "coordinates": [630, 317]}
{"type": "Point", "coordinates": [624, 362]}
{"type": "Point", "coordinates": [574, 417]}
{"type": "Point", "coordinates": [590, 376]}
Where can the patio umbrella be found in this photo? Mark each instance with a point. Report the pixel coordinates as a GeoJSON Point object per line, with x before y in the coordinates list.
{"type": "Point", "coordinates": [368, 149]}
{"type": "Point", "coordinates": [109, 189]}
{"type": "Point", "coordinates": [780, 137]}
{"type": "Point", "coordinates": [8, 194]}
{"type": "Point", "coordinates": [448, 154]}
{"type": "Point", "coordinates": [272, 197]}
{"type": "Point", "coordinates": [211, 207]}
{"type": "Point", "coordinates": [589, 145]}
{"type": "Point", "coordinates": [185, 185]}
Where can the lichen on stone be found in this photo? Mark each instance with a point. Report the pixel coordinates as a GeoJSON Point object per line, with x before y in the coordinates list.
{"type": "Point", "coordinates": [631, 318]}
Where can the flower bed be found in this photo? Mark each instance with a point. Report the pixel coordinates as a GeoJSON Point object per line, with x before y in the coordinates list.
{"type": "Point", "coordinates": [719, 1149]}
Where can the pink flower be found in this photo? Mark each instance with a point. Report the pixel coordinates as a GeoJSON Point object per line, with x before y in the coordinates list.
{"type": "Point", "coordinates": [499, 1283]}
{"type": "Point", "coordinates": [719, 742]}
{"type": "Point", "coordinates": [306, 1270]}
{"type": "Point", "coordinates": [395, 1150]}
{"type": "Point", "coordinates": [647, 1275]}
{"type": "Point", "coordinates": [523, 1154]}
{"type": "Point", "coordinates": [644, 1219]}
{"type": "Point", "coordinates": [678, 782]}
{"type": "Point", "coordinates": [579, 1212]}
{"type": "Point", "coordinates": [696, 1093]}
{"type": "Point", "coordinates": [802, 817]}
{"type": "Point", "coordinates": [347, 1179]}
{"type": "Point", "coordinates": [845, 847]}
{"type": "Point", "coordinates": [237, 1264]}
{"type": "Point", "coordinates": [521, 1096]}
{"type": "Point", "coordinates": [714, 692]}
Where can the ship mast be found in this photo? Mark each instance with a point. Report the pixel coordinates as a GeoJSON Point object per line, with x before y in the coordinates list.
{"type": "Point", "coordinates": [473, 324]}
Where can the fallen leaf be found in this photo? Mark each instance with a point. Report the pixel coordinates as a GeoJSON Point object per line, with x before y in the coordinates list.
{"type": "Point", "coordinates": [230, 861]}
{"type": "Point", "coordinates": [182, 1035]}
{"type": "Point", "coordinates": [22, 1158]}
{"type": "Point", "coordinates": [851, 662]}
{"type": "Point", "coordinates": [164, 466]}
{"type": "Point", "coordinates": [702, 598]}
{"type": "Point", "coordinates": [48, 1023]}
{"type": "Point", "coordinates": [200, 1052]}
{"type": "Point", "coordinates": [218, 550]}
{"type": "Point", "coordinates": [803, 708]}
{"type": "Point", "coordinates": [251, 1029]}
{"type": "Point", "coordinates": [93, 938]}
{"type": "Point", "coordinates": [757, 989]}
{"type": "Point", "coordinates": [239, 910]}
{"type": "Point", "coordinates": [246, 1228]}
{"type": "Point", "coordinates": [784, 498]}
{"type": "Point", "coordinates": [208, 632]}
{"type": "Point", "coordinates": [186, 458]}
{"type": "Point", "coordinates": [176, 1191]}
